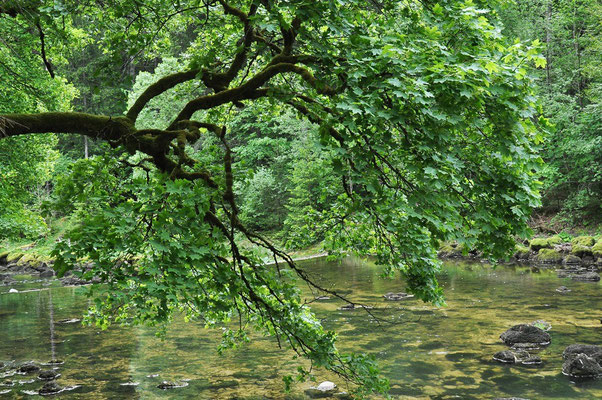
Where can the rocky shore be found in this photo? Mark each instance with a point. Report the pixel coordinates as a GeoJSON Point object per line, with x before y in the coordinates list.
{"type": "Point", "coordinates": [13, 265]}
{"type": "Point", "coordinates": [579, 259]}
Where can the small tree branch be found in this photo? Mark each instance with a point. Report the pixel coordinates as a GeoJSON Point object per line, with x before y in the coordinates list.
{"type": "Point", "coordinates": [157, 88]}
{"type": "Point", "coordinates": [43, 50]}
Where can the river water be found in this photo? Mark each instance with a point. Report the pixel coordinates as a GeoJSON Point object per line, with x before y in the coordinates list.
{"type": "Point", "coordinates": [426, 352]}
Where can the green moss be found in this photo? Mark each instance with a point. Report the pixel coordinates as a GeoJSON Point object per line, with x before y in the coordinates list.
{"type": "Point", "coordinates": [3, 255]}
{"type": "Point", "coordinates": [14, 257]}
{"type": "Point", "coordinates": [549, 256]}
{"type": "Point", "coordinates": [29, 258]}
{"type": "Point", "coordinates": [521, 252]}
{"type": "Point", "coordinates": [447, 249]}
{"type": "Point", "coordinates": [552, 240]}
{"type": "Point", "coordinates": [539, 243]}
{"type": "Point", "coordinates": [581, 251]}
{"type": "Point", "coordinates": [587, 241]}
{"type": "Point", "coordinates": [597, 249]}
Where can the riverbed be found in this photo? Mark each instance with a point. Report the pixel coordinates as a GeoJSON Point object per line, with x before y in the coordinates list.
{"type": "Point", "coordinates": [425, 351]}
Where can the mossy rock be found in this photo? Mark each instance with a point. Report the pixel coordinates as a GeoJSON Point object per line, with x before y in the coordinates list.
{"type": "Point", "coordinates": [581, 251]}
{"type": "Point", "coordinates": [597, 249]}
{"type": "Point", "coordinates": [587, 241]}
{"type": "Point", "coordinates": [572, 260]}
{"type": "Point", "coordinates": [544, 243]}
{"type": "Point", "coordinates": [521, 252]}
{"type": "Point", "coordinates": [549, 256]}
{"type": "Point", "coordinates": [3, 256]}
{"type": "Point", "coordinates": [14, 257]}
{"type": "Point", "coordinates": [30, 258]}
{"type": "Point", "coordinates": [538, 243]}
{"type": "Point", "coordinates": [448, 249]}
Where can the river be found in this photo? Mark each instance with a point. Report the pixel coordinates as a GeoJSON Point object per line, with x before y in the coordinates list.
{"type": "Point", "coordinates": [426, 352]}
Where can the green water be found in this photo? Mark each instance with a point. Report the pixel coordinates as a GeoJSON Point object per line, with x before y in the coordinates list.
{"type": "Point", "coordinates": [427, 353]}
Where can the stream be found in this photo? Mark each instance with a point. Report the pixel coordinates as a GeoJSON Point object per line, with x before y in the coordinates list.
{"type": "Point", "coordinates": [426, 352]}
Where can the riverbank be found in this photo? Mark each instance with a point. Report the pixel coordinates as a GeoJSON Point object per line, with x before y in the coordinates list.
{"type": "Point", "coordinates": [579, 258]}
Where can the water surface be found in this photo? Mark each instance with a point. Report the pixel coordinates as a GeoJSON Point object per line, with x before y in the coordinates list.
{"type": "Point", "coordinates": [427, 352]}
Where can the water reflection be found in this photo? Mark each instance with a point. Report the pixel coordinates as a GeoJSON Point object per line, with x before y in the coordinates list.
{"type": "Point", "coordinates": [429, 352]}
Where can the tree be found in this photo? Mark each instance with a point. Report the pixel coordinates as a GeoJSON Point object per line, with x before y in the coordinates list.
{"type": "Point", "coordinates": [570, 91]}
{"type": "Point", "coordinates": [26, 162]}
{"type": "Point", "coordinates": [425, 111]}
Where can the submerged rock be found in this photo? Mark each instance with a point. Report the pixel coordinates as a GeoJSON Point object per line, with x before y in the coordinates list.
{"type": "Point", "coordinates": [397, 296]}
{"type": "Point", "coordinates": [54, 362]}
{"type": "Point", "coordinates": [49, 375]}
{"type": "Point", "coordinates": [581, 366]}
{"type": "Point", "coordinates": [525, 346]}
{"type": "Point", "coordinates": [324, 389]}
{"type": "Point", "coordinates": [587, 276]}
{"type": "Point", "coordinates": [524, 333]}
{"type": "Point", "coordinates": [506, 357]}
{"type": "Point", "coordinates": [509, 398]}
{"type": "Point", "coordinates": [50, 388]}
{"type": "Point", "coordinates": [521, 355]}
{"type": "Point", "coordinates": [28, 368]}
{"type": "Point", "coordinates": [68, 321]}
{"type": "Point", "coordinates": [165, 385]}
{"type": "Point", "coordinates": [563, 289]}
{"type": "Point", "coordinates": [588, 349]}
{"type": "Point", "coordinates": [532, 360]}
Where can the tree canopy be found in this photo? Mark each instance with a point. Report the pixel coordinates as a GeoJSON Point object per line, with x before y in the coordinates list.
{"type": "Point", "coordinates": [423, 112]}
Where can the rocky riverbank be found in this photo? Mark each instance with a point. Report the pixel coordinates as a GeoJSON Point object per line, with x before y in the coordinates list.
{"type": "Point", "coordinates": [35, 267]}
{"type": "Point", "coordinates": [580, 258]}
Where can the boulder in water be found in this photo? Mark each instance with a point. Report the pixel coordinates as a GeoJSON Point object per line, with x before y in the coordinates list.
{"type": "Point", "coordinates": [50, 388]}
{"type": "Point", "coordinates": [587, 276]}
{"type": "Point", "coordinates": [397, 296]}
{"type": "Point", "coordinates": [324, 389]}
{"type": "Point", "coordinates": [506, 357]}
{"type": "Point", "coordinates": [48, 375]}
{"type": "Point", "coordinates": [582, 366]}
{"type": "Point", "coordinates": [28, 368]}
{"type": "Point", "coordinates": [563, 289]}
{"type": "Point", "coordinates": [587, 349]}
{"type": "Point", "coordinates": [532, 360]}
{"type": "Point", "coordinates": [525, 333]}
{"type": "Point", "coordinates": [165, 385]}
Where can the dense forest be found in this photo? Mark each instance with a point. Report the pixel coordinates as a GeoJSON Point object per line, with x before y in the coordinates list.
{"type": "Point", "coordinates": [180, 145]}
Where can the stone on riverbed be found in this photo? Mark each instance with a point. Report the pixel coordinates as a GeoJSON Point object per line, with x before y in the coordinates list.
{"type": "Point", "coordinates": [533, 360]}
{"type": "Point", "coordinates": [587, 276]}
{"type": "Point", "coordinates": [506, 357]}
{"type": "Point", "coordinates": [165, 385]}
{"type": "Point", "coordinates": [397, 296]}
{"type": "Point", "coordinates": [525, 333]}
{"type": "Point", "coordinates": [588, 349]}
{"type": "Point", "coordinates": [582, 361]}
{"type": "Point", "coordinates": [50, 388]}
{"type": "Point", "coordinates": [48, 375]}
{"type": "Point", "coordinates": [582, 366]}
{"type": "Point", "coordinates": [28, 368]}
{"type": "Point", "coordinates": [563, 289]}
{"type": "Point", "coordinates": [324, 389]}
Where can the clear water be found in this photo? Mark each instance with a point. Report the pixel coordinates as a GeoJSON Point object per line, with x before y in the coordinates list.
{"type": "Point", "coordinates": [427, 353]}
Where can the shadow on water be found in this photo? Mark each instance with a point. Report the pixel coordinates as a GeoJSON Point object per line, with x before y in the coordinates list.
{"type": "Point", "coordinates": [427, 353]}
